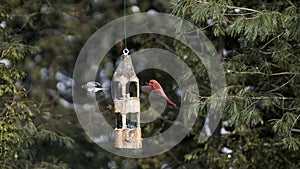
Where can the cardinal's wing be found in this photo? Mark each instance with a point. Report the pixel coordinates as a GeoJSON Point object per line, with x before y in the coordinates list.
{"type": "Point", "coordinates": [147, 89]}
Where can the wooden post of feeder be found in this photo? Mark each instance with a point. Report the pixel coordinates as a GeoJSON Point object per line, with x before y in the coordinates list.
{"type": "Point", "coordinates": [125, 89]}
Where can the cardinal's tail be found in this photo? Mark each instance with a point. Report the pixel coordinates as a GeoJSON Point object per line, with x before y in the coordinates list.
{"type": "Point", "coordinates": [169, 101]}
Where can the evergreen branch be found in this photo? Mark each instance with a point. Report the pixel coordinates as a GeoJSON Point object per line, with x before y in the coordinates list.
{"type": "Point", "coordinates": [287, 109]}
{"type": "Point", "coordinates": [233, 7]}
{"type": "Point", "coordinates": [196, 31]}
{"type": "Point", "coordinates": [295, 130]}
{"type": "Point", "coordinates": [277, 144]}
{"type": "Point", "coordinates": [264, 52]}
{"type": "Point", "coordinates": [241, 8]}
{"type": "Point", "coordinates": [294, 123]}
{"type": "Point", "coordinates": [210, 25]}
{"type": "Point", "coordinates": [283, 73]}
{"type": "Point", "coordinates": [266, 74]}
{"type": "Point", "coordinates": [291, 3]}
{"type": "Point", "coordinates": [252, 105]}
{"type": "Point", "coordinates": [166, 46]}
{"type": "Point", "coordinates": [5, 108]}
{"type": "Point", "coordinates": [265, 145]}
{"type": "Point", "coordinates": [27, 20]}
{"type": "Point", "coordinates": [277, 37]}
{"type": "Point", "coordinates": [3, 111]}
{"type": "Point", "coordinates": [277, 88]}
{"type": "Point", "coordinates": [239, 14]}
{"type": "Point", "coordinates": [254, 98]}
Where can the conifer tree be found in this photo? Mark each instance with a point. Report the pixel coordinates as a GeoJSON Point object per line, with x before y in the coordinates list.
{"type": "Point", "coordinates": [21, 139]}
{"type": "Point", "coordinates": [258, 45]}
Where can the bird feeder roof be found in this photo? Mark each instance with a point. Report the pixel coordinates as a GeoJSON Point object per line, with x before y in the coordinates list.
{"type": "Point", "coordinates": [125, 71]}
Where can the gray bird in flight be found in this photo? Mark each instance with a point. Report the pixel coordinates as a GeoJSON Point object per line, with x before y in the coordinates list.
{"type": "Point", "coordinates": [93, 87]}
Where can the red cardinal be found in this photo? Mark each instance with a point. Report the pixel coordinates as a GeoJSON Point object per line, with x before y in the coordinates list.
{"type": "Point", "coordinates": [154, 86]}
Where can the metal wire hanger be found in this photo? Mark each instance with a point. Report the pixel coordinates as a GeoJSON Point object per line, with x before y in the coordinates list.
{"type": "Point", "coordinates": [125, 51]}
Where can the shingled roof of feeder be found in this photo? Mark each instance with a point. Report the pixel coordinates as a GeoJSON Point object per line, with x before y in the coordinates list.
{"type": "Point", "coordinates": [125, 71]}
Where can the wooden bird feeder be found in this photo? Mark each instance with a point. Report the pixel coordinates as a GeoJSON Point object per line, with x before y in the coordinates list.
{"type": "Point", "coordinates": [125, 93]}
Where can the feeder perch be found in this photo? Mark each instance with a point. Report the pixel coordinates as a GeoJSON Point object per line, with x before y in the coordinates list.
{"type": "Point", "coordinates": [125, 92]}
